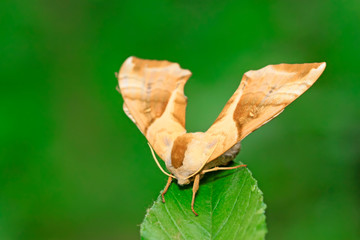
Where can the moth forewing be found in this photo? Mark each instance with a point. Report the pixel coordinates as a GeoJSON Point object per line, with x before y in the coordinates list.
{"type": "Point", "coordinates": [261, 96]}
{"type": "Point", "coordinates": [154, 99]}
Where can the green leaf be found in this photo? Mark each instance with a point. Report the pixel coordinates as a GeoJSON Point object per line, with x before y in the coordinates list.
{"type": "Point", "coordinates": [229, 203]}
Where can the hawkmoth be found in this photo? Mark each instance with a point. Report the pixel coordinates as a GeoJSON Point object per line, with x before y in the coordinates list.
{"type": "Point", "coordinates": [153, 93]}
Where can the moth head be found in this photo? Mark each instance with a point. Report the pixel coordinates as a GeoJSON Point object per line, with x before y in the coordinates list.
{"type": "Point", "coordinates": [189, 154]}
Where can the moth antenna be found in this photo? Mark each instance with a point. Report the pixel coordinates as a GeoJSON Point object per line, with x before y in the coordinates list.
{"type": "Point", "coordinates": [118, 89]}
{"type": "Point", "coordinates": [158, 164]}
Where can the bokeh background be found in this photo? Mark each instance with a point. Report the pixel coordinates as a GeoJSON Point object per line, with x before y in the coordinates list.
{"type": "Point", "coordinates": [73, 166]}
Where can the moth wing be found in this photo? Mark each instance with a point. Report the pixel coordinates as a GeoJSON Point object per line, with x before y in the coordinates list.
{"type": "Point", "coordinates": [153, 93]}
{"type": "Point", "coordinates": [262, 95]}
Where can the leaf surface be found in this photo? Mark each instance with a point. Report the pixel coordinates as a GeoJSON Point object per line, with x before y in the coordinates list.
{"type": "Point", "coordinates": [229, 203]}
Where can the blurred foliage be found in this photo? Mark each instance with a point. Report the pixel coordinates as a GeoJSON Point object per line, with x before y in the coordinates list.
{"type": "Point", "coordinates": [73, 166]}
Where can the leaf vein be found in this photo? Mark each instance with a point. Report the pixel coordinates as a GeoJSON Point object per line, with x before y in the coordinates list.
{"type": "Point", "coordinates": [220, 197]}
{"type": "Point", "coordinates": [162, 227]}
{"type": "Point", "coordinates": [182, 209]}
{"type": "Point", "coordinates": [246, 209]}
{"type": "Point", "coordinates": [232, 209]}
{"type": "Point", "coordinates": [167, 210]}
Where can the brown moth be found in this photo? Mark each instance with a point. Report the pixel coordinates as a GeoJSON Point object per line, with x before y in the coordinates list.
{"type": "Point", "coordinates": [154, 100]}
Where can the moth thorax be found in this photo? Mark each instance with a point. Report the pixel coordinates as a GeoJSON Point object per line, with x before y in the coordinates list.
{"type": "Point", "coordinates": [179, 148]}
{"type": "Point", "coordinates": [189, 154]}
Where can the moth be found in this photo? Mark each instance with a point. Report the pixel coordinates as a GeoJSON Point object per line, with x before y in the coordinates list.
{"type": "Point", "coordinates": [153, 93]}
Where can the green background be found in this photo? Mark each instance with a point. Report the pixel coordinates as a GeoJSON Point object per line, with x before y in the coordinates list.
{"type": "Point", "coordinates": [73, 166]}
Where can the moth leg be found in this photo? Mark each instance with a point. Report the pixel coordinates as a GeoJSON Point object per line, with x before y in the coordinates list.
{"type": "Point", "coordinates": [222, 168]}
{"type": "Point", "coordinates": [166, 188]}
{"type": "Point", "coordinates": [195, 189]}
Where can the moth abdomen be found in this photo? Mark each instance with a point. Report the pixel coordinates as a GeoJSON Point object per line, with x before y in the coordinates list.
{"type": "Point", "coordinates": [225, 158]}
